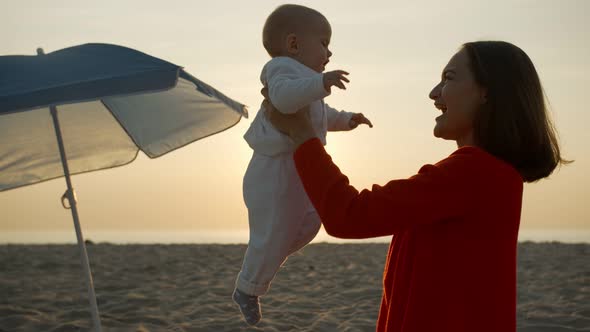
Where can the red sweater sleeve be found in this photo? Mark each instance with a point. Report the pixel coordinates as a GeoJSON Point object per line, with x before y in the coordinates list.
{"type": "Point", "coordinates": [437, 193]}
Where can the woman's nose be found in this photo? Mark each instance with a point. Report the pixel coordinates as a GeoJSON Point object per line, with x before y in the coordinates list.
{"type": "Point", "coordinates": [435, 92]}
{"type": "Point", "coordinates": [329, 53]}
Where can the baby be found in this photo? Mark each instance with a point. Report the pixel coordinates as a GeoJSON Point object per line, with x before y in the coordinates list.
{"type": "Point", "coordinates": [282, 220]}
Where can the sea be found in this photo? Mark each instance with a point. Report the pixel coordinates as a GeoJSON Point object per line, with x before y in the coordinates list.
{"type": "Point", "coordinates": [236, 237]}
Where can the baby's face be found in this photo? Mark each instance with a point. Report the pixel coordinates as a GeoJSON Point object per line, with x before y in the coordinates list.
{"type": "Point", "coordinates": [313, 46]}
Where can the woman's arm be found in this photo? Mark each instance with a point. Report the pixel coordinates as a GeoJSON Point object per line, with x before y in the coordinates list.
{"type": "Point", "coordinates": [437, 193]}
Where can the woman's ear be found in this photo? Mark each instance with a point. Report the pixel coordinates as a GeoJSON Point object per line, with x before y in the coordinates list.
{"type": "Point", "coordinates": [292, 44]}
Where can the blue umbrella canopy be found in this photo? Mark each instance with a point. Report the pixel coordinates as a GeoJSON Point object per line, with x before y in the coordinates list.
{"type": "Point", "coordinates": [112, 101]}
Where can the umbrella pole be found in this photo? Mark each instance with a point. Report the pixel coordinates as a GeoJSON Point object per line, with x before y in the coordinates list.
{"type": "Point", "coordinates": [71, 198]}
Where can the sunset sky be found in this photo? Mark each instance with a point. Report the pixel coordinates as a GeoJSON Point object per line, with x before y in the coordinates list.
{"type": "Point", "coordinates": [394, 51]}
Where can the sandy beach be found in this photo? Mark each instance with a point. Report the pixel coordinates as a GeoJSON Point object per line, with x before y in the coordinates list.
{"type": "Point", "coordinates": [325, 287]}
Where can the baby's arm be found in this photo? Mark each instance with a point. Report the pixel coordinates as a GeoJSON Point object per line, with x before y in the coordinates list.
{"type": "Point", "coordinates": [288, 90]}
{"type": "Point", "coordinates": [337, 120]}
{"type": "Point", "coordinates": [341, 120]}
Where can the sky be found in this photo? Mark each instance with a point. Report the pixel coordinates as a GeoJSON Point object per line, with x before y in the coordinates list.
{"type": "Point", "coordinates": [394, 51]}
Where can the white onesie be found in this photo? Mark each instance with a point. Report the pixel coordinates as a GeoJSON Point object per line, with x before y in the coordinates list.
{"type": "Point", "coordinates": [282, 220]}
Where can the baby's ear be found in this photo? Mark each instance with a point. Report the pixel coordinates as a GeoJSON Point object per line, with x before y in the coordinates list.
{"type": "Point", "coordinates": [292, 44]}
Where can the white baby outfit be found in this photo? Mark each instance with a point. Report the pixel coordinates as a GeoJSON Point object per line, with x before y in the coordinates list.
{"type": "Point", "coordinates": [282, 220]}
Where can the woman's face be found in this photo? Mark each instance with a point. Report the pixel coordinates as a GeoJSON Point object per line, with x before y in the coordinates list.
{"type": "Point", "coordinates": [458, 97]}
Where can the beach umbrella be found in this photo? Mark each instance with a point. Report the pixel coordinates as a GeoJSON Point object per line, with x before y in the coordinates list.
{"type": "Point", "coordinates": [92, 107]}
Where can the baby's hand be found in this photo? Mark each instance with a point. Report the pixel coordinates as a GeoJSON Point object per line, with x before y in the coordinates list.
{"type": "Point", "coordinates": [357, 118]}
{"type": "Point", "coordinates": [335, 78]}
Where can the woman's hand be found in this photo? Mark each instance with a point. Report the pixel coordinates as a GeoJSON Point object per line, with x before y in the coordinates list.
{"type": "Point", "coordinates": [297, 126]}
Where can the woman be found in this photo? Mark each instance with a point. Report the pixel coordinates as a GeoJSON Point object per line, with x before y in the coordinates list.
{"type": "Point", "coordinates": [451, 264]}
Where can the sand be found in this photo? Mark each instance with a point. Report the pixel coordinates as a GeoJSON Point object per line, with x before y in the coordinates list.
{"type": "Point", "coordinates": [326, 287]}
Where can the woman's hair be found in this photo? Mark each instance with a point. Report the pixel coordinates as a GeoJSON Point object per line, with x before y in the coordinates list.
{"type": "Point", "coordinates": [514, 123]}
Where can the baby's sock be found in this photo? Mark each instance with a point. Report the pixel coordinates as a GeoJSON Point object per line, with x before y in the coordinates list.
{"type": "Point", "coordinates": [249, 306]}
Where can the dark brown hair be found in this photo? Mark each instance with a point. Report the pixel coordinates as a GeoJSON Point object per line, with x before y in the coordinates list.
{"type": "Point", "coordinates": [514, 123]}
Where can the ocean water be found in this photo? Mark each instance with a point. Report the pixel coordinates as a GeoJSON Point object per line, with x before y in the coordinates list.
{"type": "Point", "coordinates": [237, 236]}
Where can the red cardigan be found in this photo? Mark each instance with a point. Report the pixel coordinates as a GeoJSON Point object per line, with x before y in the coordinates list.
{"type": "Point", "coordinates": [451, 264]}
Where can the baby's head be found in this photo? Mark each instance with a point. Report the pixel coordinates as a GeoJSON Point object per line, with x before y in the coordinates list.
{"type": "Point", "coordinates": [298, 32]}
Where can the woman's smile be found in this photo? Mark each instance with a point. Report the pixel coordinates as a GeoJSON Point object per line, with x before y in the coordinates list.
{"type": "Point", "coordinates": [442, 108]}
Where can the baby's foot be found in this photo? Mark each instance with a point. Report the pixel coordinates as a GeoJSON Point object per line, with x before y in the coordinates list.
{"type": "Point", "coordinates": [249, 306]}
